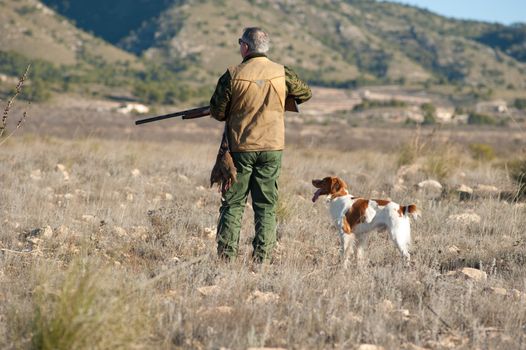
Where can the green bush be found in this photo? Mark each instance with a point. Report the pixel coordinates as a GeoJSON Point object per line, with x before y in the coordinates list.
{"type": "Point", "coordinates": [429, 111]}
{"type": "Point", "coordinates": [38, 91]}
{"type": "Point", "coordinates": [481, 119]}
{"type": "Point", "coordinates": [482, 151]}
{"type": "Point", "coordinates": [520, 103]}
{"type": "Point", "coordinates": [367, 104]}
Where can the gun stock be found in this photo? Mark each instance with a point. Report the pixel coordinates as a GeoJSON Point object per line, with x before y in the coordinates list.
{"type": "Point", "coordinates": [290, 105]}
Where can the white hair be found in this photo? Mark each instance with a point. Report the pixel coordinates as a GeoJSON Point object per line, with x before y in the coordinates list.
{"type": "Point", "coordinates": [256, 39]}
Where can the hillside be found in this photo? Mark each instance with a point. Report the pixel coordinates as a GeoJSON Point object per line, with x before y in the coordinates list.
{"type": "Point", "coordinates": [37, 32]}
{"type": "Point", "coordinates": [185, 45]}
{"type": "Point", "coordinates": [108, 19]}
{"type": "Point", "coordinates": [336, 43]}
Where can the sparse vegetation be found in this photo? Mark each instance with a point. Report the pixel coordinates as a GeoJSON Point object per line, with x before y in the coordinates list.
{"type": "Point", "coordinates": [518, 173]}
{"type": "Point", "coordinates": [368, 104]}
{"type": "Point", "coordinates": [100, 276]}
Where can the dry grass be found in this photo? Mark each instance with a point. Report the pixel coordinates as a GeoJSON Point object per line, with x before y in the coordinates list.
{"type": "Point", "coordinates": [127, 251]}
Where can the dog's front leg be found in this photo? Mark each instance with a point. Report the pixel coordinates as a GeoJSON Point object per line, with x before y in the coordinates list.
{"type": "Point", "coordinates": [346, 247]}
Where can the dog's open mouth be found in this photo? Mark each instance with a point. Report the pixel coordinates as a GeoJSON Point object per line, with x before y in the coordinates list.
{"type": "Point", "coordinates": [317, 194]}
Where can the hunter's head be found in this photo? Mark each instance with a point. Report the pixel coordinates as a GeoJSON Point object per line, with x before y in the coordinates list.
{"type": "Point", "coordinates": [253, 40]}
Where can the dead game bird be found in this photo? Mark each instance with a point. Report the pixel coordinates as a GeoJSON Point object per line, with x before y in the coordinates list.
{"type": "Point", "coordinates": [224, 173]}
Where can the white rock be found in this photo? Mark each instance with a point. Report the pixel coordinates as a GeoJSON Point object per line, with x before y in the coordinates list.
{"type": "Point", "coordinates": [370, 347]}
{"type": "Point", "coordinates": [473, 274]}
{"type": "Point", "coordinates": [168, 196]}
{"type": "Point", "coordinates": [62, 168]}
{"type": "Point", "coordinates": [36, 175]}
{"type": "Point", "coordinates": [453, 249]}
{"type": "Point", "coordinates": [465, 189]}
{"type": "Point", "coordinates": [430, 185]}
{"type": "Point", "coordinates": [65, 174]}
{"type": "Point", "coordinates": [183, 178]}
{"type": "Point", "coordinates": [496, 291]}
{"type": "Point", "coordinates": [403, 314]}
{"type": "Point", "coordinates": [119, 231]}
{"type": "Point", "coordinates": [486, 191]}
{"type": "Point", "coordinates": [130, 197]}
{"type": "Point", "coordinates": [47, 232]}
{"type": "Point", "coordinates": [517, 294]}
{"type": "Point", "coordinates": [136, 172]}
{"type": "Point", "coordinates": [210, 231]}
{"type": "Point", "coordinates": [69, 196]}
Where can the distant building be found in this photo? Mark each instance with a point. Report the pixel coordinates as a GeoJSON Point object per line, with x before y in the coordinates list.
{"type": "Point", "coordinates": [444, 115]}
{"type": "Point", "coordinates": [497, 106]}
{"type": "Point", "coordinates": [133, 108]}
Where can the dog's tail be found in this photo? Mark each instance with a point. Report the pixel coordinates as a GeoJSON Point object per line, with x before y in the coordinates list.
{"type": "Point", "coordinates": [411, 210]}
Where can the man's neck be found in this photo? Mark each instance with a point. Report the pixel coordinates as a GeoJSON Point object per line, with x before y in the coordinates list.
{"type": "Point", "coordinates": [252, 55]}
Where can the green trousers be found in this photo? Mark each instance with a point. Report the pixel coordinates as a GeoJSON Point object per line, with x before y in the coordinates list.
{"type": "Point", "coordinates": [257, 174]}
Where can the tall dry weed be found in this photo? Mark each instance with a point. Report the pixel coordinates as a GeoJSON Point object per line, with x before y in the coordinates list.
{"type": "Point", "coordinates": [86, 308]}
{"type": "Point", "coordinates": [9, 105]}
{"type": "Point", "coordinates": [412, 150]}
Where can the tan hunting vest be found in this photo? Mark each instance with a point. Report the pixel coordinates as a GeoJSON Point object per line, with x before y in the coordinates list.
{"type": "Point", "coordinates": [256, 116]}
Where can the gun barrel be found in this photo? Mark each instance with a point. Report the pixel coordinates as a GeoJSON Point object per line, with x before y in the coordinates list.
{"type": "Point", "coordinates": [188, 114]}
{"type": "Point", "coordinates": [199, 112]}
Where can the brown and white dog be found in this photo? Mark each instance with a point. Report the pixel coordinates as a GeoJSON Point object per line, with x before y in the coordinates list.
{"type": "Point", "coordinates": [355, 217]}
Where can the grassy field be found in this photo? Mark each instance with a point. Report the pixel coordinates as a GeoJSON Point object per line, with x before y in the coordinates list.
{"type": "Point", "coordinates": [111, 244]}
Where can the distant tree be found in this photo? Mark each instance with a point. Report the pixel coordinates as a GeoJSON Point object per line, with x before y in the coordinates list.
{"type": "Point", "coordinates": [520, 103]}
{"type": "Point", "coordinates": [429, 111]}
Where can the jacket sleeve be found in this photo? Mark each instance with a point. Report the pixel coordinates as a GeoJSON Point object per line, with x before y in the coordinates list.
{"type": "Point", "coordinates": [220, 101]}
{"type": "Point", "coordinates": [296, 87]}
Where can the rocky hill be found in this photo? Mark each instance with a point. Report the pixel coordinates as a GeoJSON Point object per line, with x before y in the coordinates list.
{"type": "Point", "coordinates": [337, 43]}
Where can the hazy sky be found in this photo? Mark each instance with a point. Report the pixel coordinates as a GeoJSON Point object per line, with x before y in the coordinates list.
{"type": "Point", "coordinates": [503, 11]}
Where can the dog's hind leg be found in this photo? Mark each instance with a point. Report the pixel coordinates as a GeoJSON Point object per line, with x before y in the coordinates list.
{"type": "Point", "coordinates": [402, 238]}
{"type": "Point", "coordinates": [362, 242]}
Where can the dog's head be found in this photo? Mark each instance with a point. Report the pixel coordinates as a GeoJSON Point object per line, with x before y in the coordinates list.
{"type": "Point", "coordinates": [331, 185]}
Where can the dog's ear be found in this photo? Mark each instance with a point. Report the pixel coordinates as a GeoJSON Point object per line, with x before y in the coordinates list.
{"type": "Point", "coordinates": [335, 185]}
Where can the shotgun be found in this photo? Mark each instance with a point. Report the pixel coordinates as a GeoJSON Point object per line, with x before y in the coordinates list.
{"type": "Point", "coordinates": [290, 105]}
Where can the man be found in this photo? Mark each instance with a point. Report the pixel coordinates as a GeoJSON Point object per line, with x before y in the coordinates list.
{"type": "Point", "coordinates": [250, 98]}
